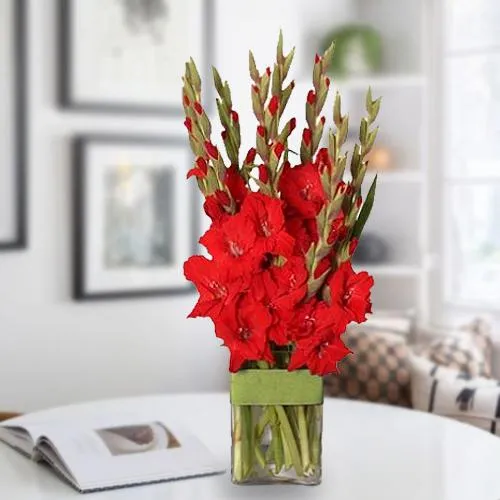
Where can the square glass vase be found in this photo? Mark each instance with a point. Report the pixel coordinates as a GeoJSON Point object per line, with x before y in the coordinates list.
{"type": "Point", "coordinates": [277, 420]}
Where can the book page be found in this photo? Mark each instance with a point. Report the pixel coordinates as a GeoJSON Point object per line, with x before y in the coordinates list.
{"type": "Point", "coordinates": [132, 452]}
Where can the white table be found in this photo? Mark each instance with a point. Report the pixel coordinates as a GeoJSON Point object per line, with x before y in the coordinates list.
{"type": "Point", "coordinates": [370, 452]}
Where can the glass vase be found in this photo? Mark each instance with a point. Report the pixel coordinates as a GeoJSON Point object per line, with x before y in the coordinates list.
{"type": "Point", "coordinates": [277, 443]}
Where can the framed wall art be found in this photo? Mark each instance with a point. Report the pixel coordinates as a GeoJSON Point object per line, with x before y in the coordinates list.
{"type": "Point", "coordinates": [128, 55]}
{"type": "Point", "coordinates": [135, 216]}
{"type": "Point", "coordinates": [13, 140]}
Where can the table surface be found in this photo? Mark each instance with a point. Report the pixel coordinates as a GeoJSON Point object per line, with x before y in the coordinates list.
{"type": "Point", "coordinates": [369, 452]}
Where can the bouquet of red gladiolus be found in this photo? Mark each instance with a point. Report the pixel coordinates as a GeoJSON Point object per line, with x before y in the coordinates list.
{"type": "Point", "coordinates": [282, 236]}
{"type": "Point", "coordinates": [279, 286]}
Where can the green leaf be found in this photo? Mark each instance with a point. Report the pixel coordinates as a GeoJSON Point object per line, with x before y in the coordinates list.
{"type": "Point", "coordinates": [328, 56]}
{"type": "Point", "coordinates": [363, 131]}
{"type": "Point", "coordinates": [369, 101]}
{"type": "Point", "coordinates": [194, 75]}
{"type": "Point", "coordinates": [337, 115]}
{"type": "Point", "coordinates": [254, 72]}
{"type": "Point", "coordinates": [279, 48]}
{"type": "Point", "coordinates": [375, 108]}
{"type": "Point", "coordinates": [371, 140]}
{"type": "Point", "coordinates": [218, 81]}
{"type": "Point", "coordinates": [365, 210]}
{"type": "Point", "coordinates": [343, 130]}
{"type": "Point", "coordinates": [288, 62]}
{"type": "Point", "coordinates": [276, 84]}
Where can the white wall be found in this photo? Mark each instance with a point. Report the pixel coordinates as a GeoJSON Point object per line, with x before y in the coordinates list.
{"type": "Point", "coordinates": [55, 351]}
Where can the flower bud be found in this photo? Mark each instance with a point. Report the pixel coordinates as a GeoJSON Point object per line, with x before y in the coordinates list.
{"type": "Point", "coordinates": [311, 97]}
{"type": "Point", "coordinates": [278, 149]}
{"type": "Point", "coordinates": [274, 105]}
{"type": "Point", "coordinates": [250, 157]}
{"type": "Point", "coordinates": [198, 108]}
{"type": "Point", "coordinates": [188, 123]}
{"type": "Point", "coordinates": [211, 150]}
{"type": "Point", "coordinates": [307, 136]}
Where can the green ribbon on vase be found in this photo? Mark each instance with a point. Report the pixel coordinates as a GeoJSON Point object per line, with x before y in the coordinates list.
{"type": "Point", "coordinates": [276, 387]}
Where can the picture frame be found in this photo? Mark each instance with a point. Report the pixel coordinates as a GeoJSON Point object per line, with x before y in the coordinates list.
{"type": "Point", "coordinates": [123, 52]}
{"type": "Point", "coordinates": [135, 217]}
{"type": "Point", "coordinates": [13, 136]}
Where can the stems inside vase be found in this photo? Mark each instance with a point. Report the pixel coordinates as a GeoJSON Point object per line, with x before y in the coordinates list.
{"type": "Point", "coordinates": [277, 442]}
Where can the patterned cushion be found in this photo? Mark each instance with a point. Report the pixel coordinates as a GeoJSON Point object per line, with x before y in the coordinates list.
{"type": "Point", "coordinates": [377, 370]}
{"type": "Point", "coordinates": [447, 392]}
{"type": "Point", "coordinates": [468, 350]}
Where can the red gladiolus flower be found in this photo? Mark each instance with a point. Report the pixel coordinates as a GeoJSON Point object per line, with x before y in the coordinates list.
{"type": "Point", "coordinates": [311, 97]}
{"type": "Point", "coordinates": [198, 108]}
{"type": "Point", "coordinates": [266, 215]}
{"type": "Point", "coordinates": [302, 190]}
{"type": "Point", "coordinates": [243, 328]}
{"type": "Point", "coordinates": [250, 157]}
{"type": "Point", "coordinates": [188, 123]}
{"type": "Point", "coordinates": [338, 231]}
{"type": "Point", "coordinates": [274, 105]}
{"type": "Point", "coordinates": [321, 354]}
{"type": "Point", "coordinates": [211, 150]}
{"type": "Point", "coordinates": [307, 136]}
{"type": "Point", "coordinates": [323, 160]}
{"type": "Point", "coordinates": [261, 130]}
{"type": "Point", "coordinates": [214, 207]}
{"type": "Point", "coordinates": [200, 170]}
{"type": "Point", "coordinates": [350, 294]}
{"type": "Point", "coordinates": [304, 231]}
{"type": "Point", "coordinates": [292, 283]}
{"type": "Point", "coordinates": [235, 117]}
{"type": "Point", "coordinates": [280, 289]}
{"type": "Point", "coordinates": [214, 285]}
{"type": "Point", "coordinates": [236, 185]}
{"type": "Point", "coordinates": [232, 245]}
{"type": "Point", "coordinates": [311, 318]}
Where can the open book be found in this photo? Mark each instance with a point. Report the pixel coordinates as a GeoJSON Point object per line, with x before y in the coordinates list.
{"type": "Point", "coordinates": [111, 452]}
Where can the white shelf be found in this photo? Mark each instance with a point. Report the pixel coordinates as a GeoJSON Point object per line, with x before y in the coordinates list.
{"type": "Point", "coordinates": [388, 81]}
{"type": "Point", "coordinates": [396, 270]}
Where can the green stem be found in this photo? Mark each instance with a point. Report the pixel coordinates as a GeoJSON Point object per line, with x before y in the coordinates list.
{"type": "Point", "coordinates": [303, 438]}
{"type": "Point", "coordinates": [290, 439]}
{"type": "Point", "coordinates": [237, 445]}
{"type": "Point", "coordinates": [316, 435]}
{"type": "Point", "coordinates": [277, 444]}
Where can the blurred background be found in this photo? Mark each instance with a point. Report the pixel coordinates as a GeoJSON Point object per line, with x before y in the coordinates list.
{"type": "Point", "coordinates": [86, 68]}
